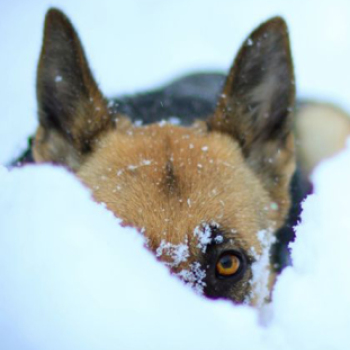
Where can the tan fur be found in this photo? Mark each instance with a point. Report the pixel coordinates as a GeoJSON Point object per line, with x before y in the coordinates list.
{"type": "Point", "coordinates": [129, 173]}
{"type": "Point", "coordinates": [231, 173]}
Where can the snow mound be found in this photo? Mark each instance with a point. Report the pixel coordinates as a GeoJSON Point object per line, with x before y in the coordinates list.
{"type": "Point", "coordinates": [312, 298]}
{"type": "Point", "coordinates": [71, 277]}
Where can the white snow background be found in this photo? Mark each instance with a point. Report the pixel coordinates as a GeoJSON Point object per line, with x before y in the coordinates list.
{"type": "Point", "coordinates": [71, 277]}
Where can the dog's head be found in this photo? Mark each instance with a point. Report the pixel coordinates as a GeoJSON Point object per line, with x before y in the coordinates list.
{"type": "Point", "coordinates": [208, 198]}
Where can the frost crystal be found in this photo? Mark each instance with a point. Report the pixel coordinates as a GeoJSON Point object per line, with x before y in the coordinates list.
{"type": "Point", "coordinates": [143, 162]}
{"type": "Point", "coordinates": [260, 268]}
{"type": "Point", "coordinates": [274, 206]}
{"type": "Point", "coordinates": [174, 120]}
{"type": "Point", "coordinates": [177, 252]}
{"type": "Point", "coordinates": [58, 78]}
{"type": "Point", "coordinates": [194, 277]}
{"type": "Point", "coordinates": [132, 167]}
{"type": "Point", "coordinates": [250, 42]}
{"type": "Point", "coordinates": [218, 239]}
{"type": "Point", "coordinates": [138, 123]}
{"type": "Point", "coordinates": [203, 234]}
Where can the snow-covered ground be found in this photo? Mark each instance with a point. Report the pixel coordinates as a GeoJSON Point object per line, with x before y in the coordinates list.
{"type": "Point", "coordinates": [72, 278]}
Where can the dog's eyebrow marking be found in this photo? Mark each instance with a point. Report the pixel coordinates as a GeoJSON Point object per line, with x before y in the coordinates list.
{"type": "Point", "coordinates": [171, 181]}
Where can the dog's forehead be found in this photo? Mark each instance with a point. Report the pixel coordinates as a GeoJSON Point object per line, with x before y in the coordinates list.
{"type": "Point", "coordinates": [170, 181]}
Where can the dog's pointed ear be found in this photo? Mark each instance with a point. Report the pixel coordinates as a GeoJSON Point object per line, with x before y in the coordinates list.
{"type": "Point", "coordinates": [72, 110]}
{"type": "Point", "coordinates": [256, 104]}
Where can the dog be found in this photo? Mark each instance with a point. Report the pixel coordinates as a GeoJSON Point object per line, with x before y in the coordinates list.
{"type": "Point", "coordinates": [210, 190]}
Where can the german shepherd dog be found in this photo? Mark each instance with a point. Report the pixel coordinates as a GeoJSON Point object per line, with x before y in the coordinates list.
{"type": "Point", "coordinates": [211, 191]}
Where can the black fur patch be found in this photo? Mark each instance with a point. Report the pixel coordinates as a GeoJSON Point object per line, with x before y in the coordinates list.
{"type": "Point", "coordinates": [188, 98]}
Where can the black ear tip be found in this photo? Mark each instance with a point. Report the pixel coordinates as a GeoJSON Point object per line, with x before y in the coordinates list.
{"type": "Point", "coordinates": [55, 16]}
{"type": "Point", "coordinates": [57, 22]}
{"type": "Point", "coordinates": [276, 24]}
{"type": "Point", "coordinates": [275, 28]}
{"type": "Point", "coordinates": [54, 13]}
{"type": "Point", "coordinates": [277, 20]}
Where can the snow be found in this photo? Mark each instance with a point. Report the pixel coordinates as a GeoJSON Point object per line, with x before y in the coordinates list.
{"type": "Point", "coordinates": [203, 233]}
{"type": "Point", "coordinates": [72, 278]}
{"type": "Point", "coordinates": [260, 268]}
{"type": "Point", "coordinates": [177, 252]}
{"type": "Point", "coordinates": [58, 78]}
{"type": "Point", "coordinates": [313, 296]}
{"type": "Point", "coordinates": [194, 277]}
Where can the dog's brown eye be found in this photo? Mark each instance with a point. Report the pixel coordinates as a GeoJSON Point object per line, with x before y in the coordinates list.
{"type": "Point", "coordinates": [228, 265]}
